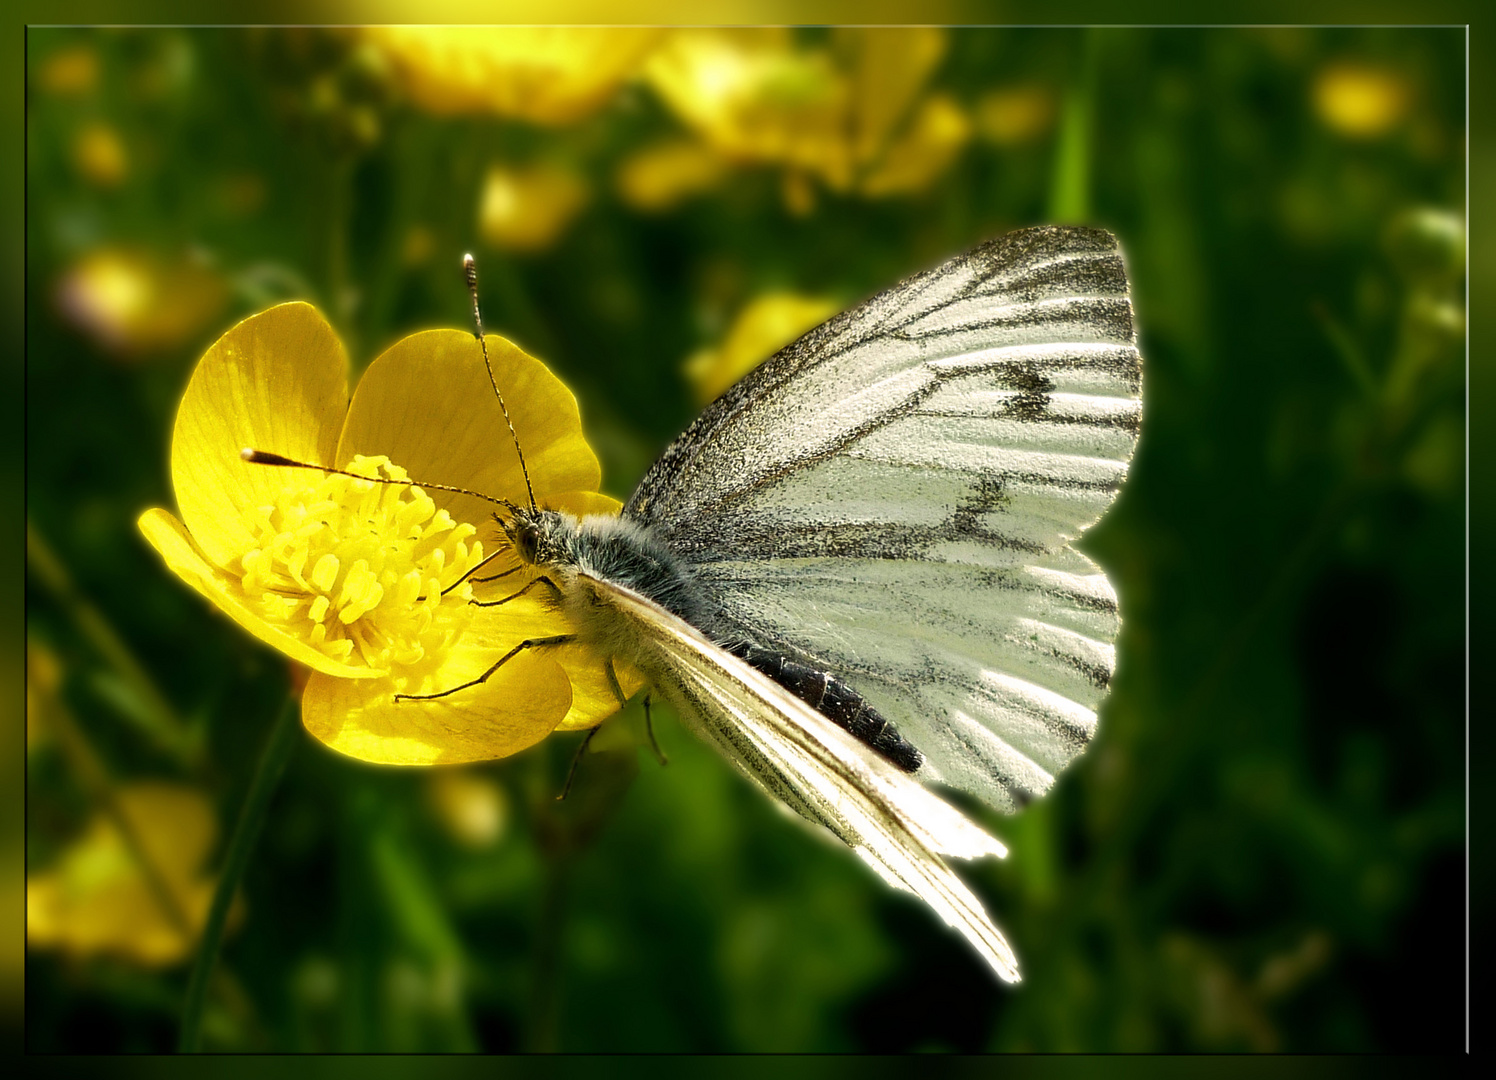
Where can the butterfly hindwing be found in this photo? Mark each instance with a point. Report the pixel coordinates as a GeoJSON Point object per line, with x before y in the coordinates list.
{"type": "Point", "coordinates": [801, 758]}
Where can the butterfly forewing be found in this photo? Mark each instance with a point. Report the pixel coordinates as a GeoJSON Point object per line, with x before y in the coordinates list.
{"type": "Point", "coordinates": [893, 497]}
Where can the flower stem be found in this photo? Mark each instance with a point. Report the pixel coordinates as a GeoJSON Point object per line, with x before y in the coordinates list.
{"type": "Point", "coordinates": [1070, 189]}
{"type": "Point", "coordinates": [246, 833]}
{"type": "Point", "coordinates": [155, 718]}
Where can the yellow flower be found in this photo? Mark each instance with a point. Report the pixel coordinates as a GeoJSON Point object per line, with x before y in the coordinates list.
{"type": "Point", "coordinates": [99, 154]}
{"type": "Point", "coordinates": [528, 209]}
{"type": "Point", "coordinates": [1361, 101]}
{"type": "Point", "coordinates": [97, 899]}
{"type": "Point", "coordinates": [930, 142]}
{"type": "Point", "coordinates": [470, 804]}
{"type": "Point", "coordinates": [664, 174]}
{"type": "Point", "coordinates": [133, 303]}
{"type": "Point", "coordinates": [766, 325]}
{"type": "Point", "coordinates": [544, 74]}
{"type": "Point", "coordinates": [73, 70]}
{"type": "Point", "coordinates": [364, 582]}
{"type": "Point", "coordinates": [1013, 115]}
{"type": "Point", "coordinates": [849, 114]}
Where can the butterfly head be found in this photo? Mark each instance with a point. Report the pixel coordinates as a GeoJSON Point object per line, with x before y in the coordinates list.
{"type": "Point", "coordinates": [539, 537]}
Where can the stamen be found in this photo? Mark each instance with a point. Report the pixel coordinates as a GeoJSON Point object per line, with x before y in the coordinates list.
{"type": "Point", "coordinates": [356, 567]}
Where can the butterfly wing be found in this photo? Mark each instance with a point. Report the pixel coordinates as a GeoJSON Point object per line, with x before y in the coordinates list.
{"type": "Point", "coordinates": [893, 498]}
{"type": "Point", "coordinates": [798, 756]}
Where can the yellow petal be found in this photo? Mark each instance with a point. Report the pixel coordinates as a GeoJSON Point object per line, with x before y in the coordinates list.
{"type": "Point", "coordinates": [527, 209]}
{"type": "Point", "coordinates": [924, 150]}
{"type": "Point", "coordinates": [170, 538]}
{"type": "Point", "coordinates": [592, 696]}
{"type": "Point", "coordinates": [752, 96]}
{"type": "Point", "coordinates": [593, 699]}
{"type": "Point", "coordinates": [545, 74]}
{"type": "Point", "coordinates": [276, 382]}
{"type": "Point", "coordinates": [517, 706]}
{"type": "Point", "coordinates": [889, 67]}
{"type": "Point", "coordinates": [427, 404]}
{"type": "Point", "coordinates": [660, 176]}
{"type": "Point", "coordinates": [97, 899]}
{"type": "Point", "coordinates": [766, 325]}
{"type": "Point", "coordinates": [583, 504]}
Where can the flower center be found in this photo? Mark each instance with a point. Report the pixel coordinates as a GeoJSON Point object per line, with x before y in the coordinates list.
{"type": "Point", "coordinates": [353, 566]}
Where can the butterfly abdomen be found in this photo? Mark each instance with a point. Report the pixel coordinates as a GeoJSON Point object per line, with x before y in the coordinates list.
{"type": "Point", "coordinates": [836, 701]}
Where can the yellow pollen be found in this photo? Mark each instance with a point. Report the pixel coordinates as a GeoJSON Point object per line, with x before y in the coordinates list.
{"type": "Point", "coordinates": [356, 568]}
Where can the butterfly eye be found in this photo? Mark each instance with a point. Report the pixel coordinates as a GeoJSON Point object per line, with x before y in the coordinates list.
{"type": "Point", "coordinates": [526, 540]}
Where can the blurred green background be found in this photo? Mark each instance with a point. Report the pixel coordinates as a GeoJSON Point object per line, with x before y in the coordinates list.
{"type": "Point", "coordinates": [1262, 851]}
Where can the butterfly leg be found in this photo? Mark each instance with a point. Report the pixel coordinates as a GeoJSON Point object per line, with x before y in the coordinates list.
{"type": "Point", "coordinates": [479, 566]}
{"type": "Point", "coordinates": [649, 729]}
{"type": "Point", "coordinates": [517, 595]}
{"type": "Point", "coordinates": [622, 700]}
{"type": "Point", "coordinates": [531, 643]}
{"type": "Point", "coordinates": [576, 759]}
{"type": "Point", "coordinates": [495, 577]}
{"type": "Point", "coordinates": [612, 674]}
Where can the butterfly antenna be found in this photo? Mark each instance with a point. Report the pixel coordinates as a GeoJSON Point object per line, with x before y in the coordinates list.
{"type": "Point", "coordinates": [261, 457]}
{"type": "Point", "coordinates": [470, 271]}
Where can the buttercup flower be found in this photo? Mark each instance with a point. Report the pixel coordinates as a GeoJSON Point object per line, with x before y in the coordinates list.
{"type": "Point", "coordinates": [665, 174]}
{"type": "Point", "coordinates": [69, 71]}
{"type": "Point", "coordinates": [1361, 101]}
{"type": "Point", "coordinates": [134, 303]}
{"type": "Point", "coordinates": [850, 115]}
{"type": "Point", "coordinates": [542, 74]}
{"type": "Point", "coordinates": [99, 154]}
{"type": "Point", "coordinates": [527, 209]}
{"type": "Point", "coordinates": [97, 899]}
{"type": "Point", "coordinates": [365, 583]}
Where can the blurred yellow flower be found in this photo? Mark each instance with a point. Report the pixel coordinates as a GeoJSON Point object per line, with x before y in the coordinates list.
{"type": "Point", "coordinates": [470, 804]}
{"type": "Point", "coordinates": [761, 329]}
{"type": "Point", "coordinates": [99, 155]}
{"type": "Point", "coordinates": [1013, 115]}
{"type": "Point", "coordinates": [925, 149]}
{"type": "Point", "coordinates": [848, 114]}
{"type": "Point", "coordinates": [527, 209]}
{"type": "Point", "coordinates": [1361, 101]}
{"type": "Point", "coordinates": [544, 74]}
{"type": "Point", "coordinates": [98, 900]}
{"type": "Point", "coordinates": [134, 302]}
{"type": "Point", "coordinates": [73, 70]}
{"type": "Point", "coordinates": [661, 176]}
{"type": "Point", "coordinates": [363, 582]}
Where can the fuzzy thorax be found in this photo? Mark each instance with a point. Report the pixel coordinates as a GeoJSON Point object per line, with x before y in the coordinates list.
{"type": "Point", "coordinates": [569, 551]}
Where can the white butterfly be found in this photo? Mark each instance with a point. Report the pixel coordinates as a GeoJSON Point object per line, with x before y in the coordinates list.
{"type": "Point", "coordinates": [874, 527]}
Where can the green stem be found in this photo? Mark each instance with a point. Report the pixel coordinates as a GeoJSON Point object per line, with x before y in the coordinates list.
{"type": "Point", "coordinates": [1070, 191]}
{"type": "Point", "coordinates": [246, 833]}
{"type": "Point", "coordinates": [545, 1020]}
{"type": "Point", "coordinates": [156, 719]}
